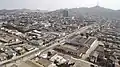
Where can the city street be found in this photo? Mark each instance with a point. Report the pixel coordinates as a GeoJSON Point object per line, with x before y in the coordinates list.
{"type": "Point", "coordinates": [32, 54]}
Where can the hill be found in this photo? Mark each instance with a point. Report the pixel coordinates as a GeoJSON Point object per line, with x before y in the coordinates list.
{"type": "Point", "coordinates": [94, 11]}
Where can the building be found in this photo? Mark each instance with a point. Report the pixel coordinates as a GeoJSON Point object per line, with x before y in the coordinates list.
{"type": "Point", "coordinates": [36, 63]}
{"type": "Point", "coordinates": [3, 56]}
{"type": "Point", "coordinates": [65, 13]}
{"type": "Point", "coordinates": [97, 54]}
{"type": "Point", "coordinates": [29, 64]}
{"type": "Point", "coordinates": [58, 58]}
{"type": "Point", "coordinates": [77, 46]}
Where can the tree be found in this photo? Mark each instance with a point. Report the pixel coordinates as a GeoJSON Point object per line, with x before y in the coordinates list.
{"type": "Point", "coordinates": [118, 58]}
{"type": "Point", "coordinates": [82, 34]}
{"type": "Point", "coordinates": [55, 62]}
{"type": "Point", "coordinates": [71, 64]}
{"type": "Point", "coordinates": [87, 35]}
{"type": "Point", "coordinates": [119, 62]}
{"type": "Point", "coordinates": [92, 65]}
{"type": "Point", "coordinates": [49, 53]}
{"type": "Point", "coordinates": [106, 46]}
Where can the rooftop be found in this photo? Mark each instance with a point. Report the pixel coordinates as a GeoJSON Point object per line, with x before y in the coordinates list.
{"type": "Point", "coordinates": [43, 62]}
{"type": "Point", "coordinates": [76, 41]}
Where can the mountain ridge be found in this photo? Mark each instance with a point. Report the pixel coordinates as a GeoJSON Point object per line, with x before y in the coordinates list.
{"type": "Point", "coordinates": [96, 10]}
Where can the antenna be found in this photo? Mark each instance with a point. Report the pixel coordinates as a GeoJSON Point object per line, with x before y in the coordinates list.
{"type": "Point", "coordinates": [97, 2]}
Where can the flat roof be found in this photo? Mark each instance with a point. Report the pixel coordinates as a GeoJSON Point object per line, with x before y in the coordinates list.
{"type": "Point", "coordinates": [77, 41]}
{"type": "Point", "coordinates": [66, 49]}
{"type": "Point", "coordinates": [78, 50]}
{"type": "Point", "coordinates": [3, 40]}
{"type": "Point", "coordinates": [70, 47]}
{"type": "Point", "coordinates": [81, 64]}
{"type": "Point", "coordinates": [28, 64]}
{"type": "Point", "coordinates": [44, 62]}
{"type": "Point", "coordinates": [100, 48]}
{"type": "Point", "coordinates": [90, 41]}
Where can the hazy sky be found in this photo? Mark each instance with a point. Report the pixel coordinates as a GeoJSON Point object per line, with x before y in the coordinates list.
{"type": "Point", "coordinates": [57, 4]}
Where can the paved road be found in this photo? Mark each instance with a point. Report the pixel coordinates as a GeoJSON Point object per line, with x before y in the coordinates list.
{"type": "Point", "coordinates": [62, 40]}
{"type": "Point", "coordinates": [41, 50]}
{"type": "Point", "coordinates": [83, 63]}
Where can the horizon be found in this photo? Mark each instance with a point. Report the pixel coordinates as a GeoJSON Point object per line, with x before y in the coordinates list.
{"type": "Point", "coordinates": [57, 4]}
{"type": "Point", "coordinates": [56, 9]}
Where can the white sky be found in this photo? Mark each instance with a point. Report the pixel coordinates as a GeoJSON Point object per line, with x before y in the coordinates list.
{"type": "Point", "coordinates": [57, 4]}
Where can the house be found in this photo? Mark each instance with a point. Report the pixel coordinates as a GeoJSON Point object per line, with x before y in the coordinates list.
{"type": "Point", "coordinates": [28, 47]}
{"type": "Point", "coordinates": [29, 63]}
{"type": "Point", "coordinates": [93, 57]}
{"type": "Point", "coordinates": [44, 62]}
{"type": "Point", "coordinates": [19, 50]}
{"type": "Point", "coordinates": [10, 53]}
{"type": "Point", "coordinates": [3, 56]}
{"type": "Point", "coordinates": [14, 43]}
{"type": "Point", "coordinates": [58, 58]}
{"type": "Point", "coordinates": [3, 40]}
{"type": "Point", "coordinates": [98, 54]}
